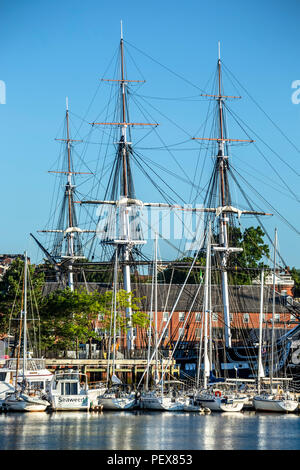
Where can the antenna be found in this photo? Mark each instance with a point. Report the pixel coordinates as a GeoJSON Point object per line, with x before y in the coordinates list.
{"type": "Point", "coordinates": [67, 103]}
{"type": "Point", "coordinates": [219, 50]}
{"type": "Point", "coordinates": [121, 30]}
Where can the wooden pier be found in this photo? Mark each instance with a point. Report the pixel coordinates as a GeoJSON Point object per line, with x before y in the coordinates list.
{"type": "Point", "coordinates": [129, 371]}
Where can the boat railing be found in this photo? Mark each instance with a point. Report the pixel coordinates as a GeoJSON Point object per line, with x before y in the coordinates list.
{"type": "Point", "coordinates": [32, 364]}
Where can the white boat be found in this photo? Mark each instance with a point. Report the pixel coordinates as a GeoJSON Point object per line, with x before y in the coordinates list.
{"type": "Point", "coordinates": [282, 401]}
{"type": "Point", "coordinates": [69, 392]}
{"type": "Point", "coordinates": [218, 400]}
{"type": "Point", "coordinates": [157, 401]}
{"type": "Point", "coordinates": [189, 405]}
{"type": "Point", "coordinates": [272, 402]}
{"type": "Point", "coordinates": [36, 376]}
{"type": "Point", "coordinates": [24, 402]}
{"type": "Point", "coordinates": [22, 387]}
{"type": "Point", "coordinates": [116, 400]}
{"type": "Point", "coordinates": [96, 391]}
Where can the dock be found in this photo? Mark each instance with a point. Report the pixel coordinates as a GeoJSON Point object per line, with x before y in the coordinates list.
{"type": "Point", "coordinates": [128, 370]}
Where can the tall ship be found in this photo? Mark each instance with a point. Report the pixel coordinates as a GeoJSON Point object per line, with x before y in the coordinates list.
{"type": "Point", "coordinates": [118, 244]}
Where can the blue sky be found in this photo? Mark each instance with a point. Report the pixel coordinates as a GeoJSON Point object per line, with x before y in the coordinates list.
{"type": "Point", "coordinates": [53, 49]}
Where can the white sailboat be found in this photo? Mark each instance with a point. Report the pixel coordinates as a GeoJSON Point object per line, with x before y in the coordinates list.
{"type": "Point", "coordinates": [22, 398]}
{"type": "Point", "coordinates": [37, 377]}
{"type": "Point", "coordinates": [272, 399]}
{"type": "Point", "coordinates": [209, 397]}
{"type": "Point", "coordinates": [156, 399]}
{"type": "Point", "coordinates": [115, 398]}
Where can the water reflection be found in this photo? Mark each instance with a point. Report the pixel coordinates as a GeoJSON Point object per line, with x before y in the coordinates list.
{"type": "Point", "coordinates": [148, 430]}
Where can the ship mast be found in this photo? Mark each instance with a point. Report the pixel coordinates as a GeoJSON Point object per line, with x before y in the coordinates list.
{"type": "Point", "coordinates": [67, 233]}
{"type": "Point", "coordinates": [124, 212]}
{"type": "Point", "coordinates": [69, 194]}
{"type": "Point", "coordinates": [127, 199]}
{"type": "Point", "coordinates": [225, 208]}
{"type": "Point", "coordinates": [125, 242]}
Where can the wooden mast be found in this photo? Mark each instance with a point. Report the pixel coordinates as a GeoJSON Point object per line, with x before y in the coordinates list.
{"type": "Point", "coordinates": [222, 165]}
{"type": "Point", "coordinates": [125, 243]}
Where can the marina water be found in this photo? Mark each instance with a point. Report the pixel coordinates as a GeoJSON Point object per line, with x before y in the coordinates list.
{"type": "Point", "coordinates": [146, 430]}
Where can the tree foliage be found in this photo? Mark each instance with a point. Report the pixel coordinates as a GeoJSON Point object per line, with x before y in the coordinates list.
{"type": "Point", "coordinates": [245, 264]}
{"type": "Point", "coordinates": [11, 287]}
{"type": "Point", "coordinates": [69, 317]}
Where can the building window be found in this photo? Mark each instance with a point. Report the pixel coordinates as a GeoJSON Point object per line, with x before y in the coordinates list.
{"type": "Point", "coordinates": [197, 316]}
{"type": "Point", "coordinates": [264, 318]}
{"type": "Point", "coordinates": [198, 333]}
{"type": "Point", "coordinates": [181, 316]}
{"type": "Point", "coordinates": [165, 316]}
{"type": "Point", "coordinates": [166, 334]}
{"type": "Point", "coordinates": [246, 318]}
{"type": "Point", "coordinates": [277, 317]}
{"type": "Point", "coordinates": [214, 316]}
{"type": "Point", "coordinates": [180, 332]}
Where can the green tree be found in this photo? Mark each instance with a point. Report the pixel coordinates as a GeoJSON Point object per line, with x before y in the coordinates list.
{"type": "Point", "coordinates": [249, 261]}
{"type": "Point", "coordinates": [295, 273]}
{"type": "Point", "coordinates": [68, 317]}
{"type": "Point", "coordinates": [244, 265]}
{"type": "Point", "coordinates": [11, 288]}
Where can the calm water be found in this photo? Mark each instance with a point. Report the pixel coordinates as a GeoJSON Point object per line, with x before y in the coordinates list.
{"type": "Point", "coordinates": [143, 430]}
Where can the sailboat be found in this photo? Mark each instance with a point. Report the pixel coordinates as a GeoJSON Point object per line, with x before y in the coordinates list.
{"type": "Point", "coordinates": [115, 397]}
{"type": "Point", "coordinates": [271, 400]}
{"type": "Point", "coordinates": [22, 398]}
{"type": "Point", "coordinates": [211, 397]}
{"type": "Point", "coordinates": [157, 399]}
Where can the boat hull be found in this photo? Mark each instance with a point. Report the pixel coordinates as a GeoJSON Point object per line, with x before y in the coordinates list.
{"type": "Point", "coordinates": [70, 403]}
{"type": "Point", "coordinates": [161, 404]}
{"type": "Point", "coordinates": [24, 404]}
{"type": "Point", "coordinates": [273, 405]}
{"type": "Point", "coordinates": [110, 403]}
{"type": "Point", "coordinates": [221, 404]}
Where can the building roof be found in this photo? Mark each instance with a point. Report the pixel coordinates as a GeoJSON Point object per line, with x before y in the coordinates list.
{"type": "Point", "coordinates": [242, 299]}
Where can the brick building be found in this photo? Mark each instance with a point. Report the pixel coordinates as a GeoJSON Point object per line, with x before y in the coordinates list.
{"type": "Point", "coordinates": [186, 319]}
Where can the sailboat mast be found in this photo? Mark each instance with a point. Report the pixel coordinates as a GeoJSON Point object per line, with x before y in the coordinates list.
{"type": "Point", "coordinates": [25, 318]}
{"type": "Point", "coordinates": [206, 367]}
{"type": "Point", "coordinates": [260, 370]}
{"type": "Point", "coordinates": [223, 237]}
{"type": "Point", "coordinates": [155, 310]}
{"type": "Point", "coordinates": [273, 311]}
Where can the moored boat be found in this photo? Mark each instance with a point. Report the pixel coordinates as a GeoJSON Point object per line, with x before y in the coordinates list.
{"type": "Point", "coordinates": [69, 392]}
{"type": "Point", "coordinates": [24, 402]}
{"type": "Point", "coordinates": [218, 400]}
{"type": "Point", "coordinates": [275, 402]}
{"type": "Point", "coordinates": [156, 401]}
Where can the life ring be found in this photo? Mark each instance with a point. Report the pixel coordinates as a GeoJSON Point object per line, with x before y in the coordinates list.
{"type": "Point", "coordinates": [218, 393]}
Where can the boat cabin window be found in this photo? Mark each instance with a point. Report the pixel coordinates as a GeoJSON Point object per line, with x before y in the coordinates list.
{"type": "Point", "coordinates": [37, 385]}
{"type": "Point", "coordinates": [2, 376]}
{"type": "Point", "coordinates": [68, 388]}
